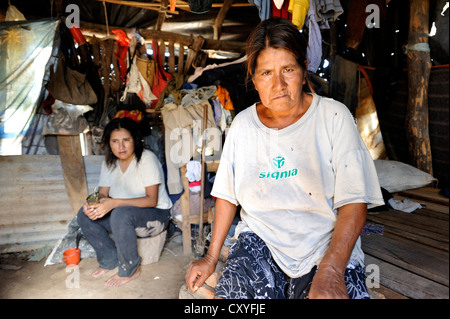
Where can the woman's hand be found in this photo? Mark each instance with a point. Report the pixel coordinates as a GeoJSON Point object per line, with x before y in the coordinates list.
{"type": "Point", "coordinates": [328, 284]}
{"type": "Point", "coordinates": [88, 210]}
{"type": "Point", "coordinates": [97, 211]}
{"type": "Point", "coordinates": [198, 272]}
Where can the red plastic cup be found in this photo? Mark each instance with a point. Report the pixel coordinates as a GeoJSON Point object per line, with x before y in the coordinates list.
{"type": "Point", "coordinates": [72, 256]}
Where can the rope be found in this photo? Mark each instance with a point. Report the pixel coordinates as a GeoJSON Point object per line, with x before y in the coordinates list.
{"type": "Point", "coordinates": [106, 18]}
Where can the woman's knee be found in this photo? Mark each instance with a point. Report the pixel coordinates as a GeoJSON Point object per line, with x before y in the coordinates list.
{"type": "Point", "coordinates": [120, 216]}
{"type": "Point", "coordinates": [81, 217]}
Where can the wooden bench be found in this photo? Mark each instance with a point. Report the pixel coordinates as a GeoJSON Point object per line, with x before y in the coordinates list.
{"type": "Point", "coordinates": [412, 252]}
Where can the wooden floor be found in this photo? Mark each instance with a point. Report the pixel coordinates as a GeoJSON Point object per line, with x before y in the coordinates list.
{"type": "Point", "coordinates": [409, 252]}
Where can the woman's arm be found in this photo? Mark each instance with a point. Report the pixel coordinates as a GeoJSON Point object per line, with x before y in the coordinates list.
{"type": "Point", "coordinates": [329, 279]}
{"type": "Point", "coordinates": [203, 268]}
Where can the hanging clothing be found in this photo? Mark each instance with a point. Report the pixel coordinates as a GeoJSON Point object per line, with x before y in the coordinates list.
{"type": "Point", "coordinates": [263, 8]}
{"type": "Point", "coordinates": [224, 98]}
{"type": "Point", "coordinates": [183, 135]}
{"type": "Point", "coordinates": [281, 11]}
{"type": "Point", "coordinates": [233, 78]}
{"type": "Point", "coordinates": [327, 10]}
{"type": "Point", "coordinates": [299, 9]}
{"type": "Point", "coordinates": [314, 49]}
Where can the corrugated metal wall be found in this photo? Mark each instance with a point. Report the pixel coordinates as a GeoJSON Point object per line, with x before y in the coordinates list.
{"type": "Point", "coordinates": [34, 207]}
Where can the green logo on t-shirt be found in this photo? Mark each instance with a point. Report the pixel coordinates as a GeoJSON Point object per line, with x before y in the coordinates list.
{"type": "Point", "coordinates": [278, 162]}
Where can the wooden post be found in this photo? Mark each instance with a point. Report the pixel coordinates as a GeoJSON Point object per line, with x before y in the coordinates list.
{"type": "Point", "coordinates": [419, 66]}
{"type": "Point", "coordinates": [73, 169]}
{"type": "Point", "coordinates": [185, 213]}
{"type": "Point", "coordinates": [161, 15]}
{"type": "Point", "coordinates": [200, 249]}
{"type": "Point", "coordinates": [196, 47]}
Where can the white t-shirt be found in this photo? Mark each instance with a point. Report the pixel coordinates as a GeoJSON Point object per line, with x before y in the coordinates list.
{"type": "Point", "coordinates": [290, 182]}
{"type": "Point", "coordinates": [132, 183]}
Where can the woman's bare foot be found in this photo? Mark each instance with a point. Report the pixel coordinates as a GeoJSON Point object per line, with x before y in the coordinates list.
{"type": "Point", "coordinates": [116, 281]}
{"type": "Point", "coordinates": [99, 272]}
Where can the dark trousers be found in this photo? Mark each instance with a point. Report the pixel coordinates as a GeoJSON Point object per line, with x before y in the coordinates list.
{"type": "Point", "coordinates": [125, 224]}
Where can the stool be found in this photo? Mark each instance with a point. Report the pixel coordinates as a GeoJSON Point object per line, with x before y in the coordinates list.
{"type": "Point", "coordinates": [150, 248]}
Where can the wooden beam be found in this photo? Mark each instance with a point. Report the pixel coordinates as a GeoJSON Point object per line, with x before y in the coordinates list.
{"type": "Point", "coordinates": [155, 6]}
{"type": "Point", "coordinates": [138, 4]}
{"type": "Point", "coordinates": [218, 21]}
{"type": "Point", "coordinates": [73, 170]}
{"type": "Point", "coordinates": [419, 66]}
{"type": "Point", "coordinates": [90, 29]}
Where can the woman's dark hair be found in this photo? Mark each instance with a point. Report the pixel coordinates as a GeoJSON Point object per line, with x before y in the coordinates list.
{"type": "Point", "coordinates": [121, 123]}
{"type": "Point", "coordinates": [277, 33]}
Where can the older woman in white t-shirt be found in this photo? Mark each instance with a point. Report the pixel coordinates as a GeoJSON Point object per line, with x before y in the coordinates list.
{"type": "Point", "coordinates": [133, 202]}
{"type": "Point", "coordinates": [298, 167]}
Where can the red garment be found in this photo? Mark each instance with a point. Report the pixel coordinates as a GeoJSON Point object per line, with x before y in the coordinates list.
{"type": "Point", "coordinates": [123, 42]}
{"type": "Point", "coordinates": [283, 12]}
{"type": "Point", "coordinates": [161, 76]}
{"type": "Point", "coordinates": [173, 3]}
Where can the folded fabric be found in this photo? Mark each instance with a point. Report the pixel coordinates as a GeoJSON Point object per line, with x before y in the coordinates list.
{"type": "Point", "coordinates": [405, 205]}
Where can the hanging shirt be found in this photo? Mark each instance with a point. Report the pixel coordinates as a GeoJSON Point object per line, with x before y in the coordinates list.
{"type": "Point", "coordinates": [290, 182]}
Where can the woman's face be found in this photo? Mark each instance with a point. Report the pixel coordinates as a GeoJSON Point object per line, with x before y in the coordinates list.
{"type": "Point", "coordinates": [122, 144]}
{"type": "Point", "coordinates": [278, 79]}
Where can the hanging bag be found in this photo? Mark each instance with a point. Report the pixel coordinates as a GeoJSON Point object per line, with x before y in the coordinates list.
{"type": "Point", "coordinates": [70, 86]}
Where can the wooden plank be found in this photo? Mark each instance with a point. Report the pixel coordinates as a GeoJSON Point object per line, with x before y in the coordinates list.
{"type": "Point", "coordinates": [386, 293]}
{"type": "Point", "coordinates": [171, 57]}
{"type": "Point", "coordinates": [426, 193]}
{"type": "Point", "coordinates": [418, 234]}
{"type": "Point", "coordinates": [181, 59]}
{"type": "Point", "coordinates": [432, 209]}
{"type": "Point", "coordinates": [73, 170]}
{"type": "Point", "coordinates": [425, 261]}
{"type": "Point", "coordinates": [414, 220]}
{"type": "Point", "coordinates": [407, 283]}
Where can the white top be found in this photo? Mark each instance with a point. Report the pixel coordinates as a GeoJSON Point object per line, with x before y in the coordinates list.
{"type": "Point", "coordinates": [290, 182]}
{"type": "Point", "coordinates": [132, 183]}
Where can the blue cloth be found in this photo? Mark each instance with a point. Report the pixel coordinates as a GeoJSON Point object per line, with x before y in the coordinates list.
{"type": "Point", "coordinates": [251, 273]}
{"type": "Point", "coordinates": [264, 8]}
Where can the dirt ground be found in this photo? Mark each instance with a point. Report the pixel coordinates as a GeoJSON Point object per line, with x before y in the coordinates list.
{"type": "Point", "coordinates": [23, 279]}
